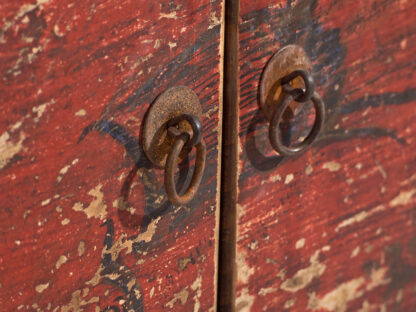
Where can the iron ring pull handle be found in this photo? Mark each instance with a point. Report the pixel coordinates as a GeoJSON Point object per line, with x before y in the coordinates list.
{"type": "Point", "coordinates": [298, 95]}
{"type": "Point", "coordinates": [182, 139]}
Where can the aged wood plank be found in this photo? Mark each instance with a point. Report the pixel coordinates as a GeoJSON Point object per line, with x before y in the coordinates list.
{"type": "Point", "coordinates": [85, 223]}
{"type": "Point", "coordinates": [333, 229]}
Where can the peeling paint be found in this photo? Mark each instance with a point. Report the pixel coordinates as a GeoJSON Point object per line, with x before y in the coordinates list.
{"type": "Point", "coordinates": [62, 259]}
{"type": "Point", "coordinates": [97, 208]}
{"type": "Point", "coordinates": [40, 109]}
{"type": "Point", "coordinates": [266, 291]}
{"type": "Point", "coordinates": [244, 271]}
{"type": "Point", "coordinates": [355, 252]}
{"type": "Point", "coordinates": [244, 301]}
{"type": "Point", "coordinates": [41, 287]}
{"type": "Point", "coordinates": [289, 178]}
{"type": "Point", "coordinates": [197, 288]}
{"type": "Point", "coordinates": [65, 169]}
{"type": "Point", "coordinates": [304, 277]}
{"type": "Point", "coordinates": [77, 302]}
{"type": "Point", "coordinates": [181, 296]}
{"type": "Point", "coordinates": [338, 299]}
{"type": "Point", "coordinates": [309, 169]}
{"type": "Point", "coordinates": [172, 15]}
{"type": "Point", "coordinates": [332, 166]}
{"type": "Point", "coordinates": [300, 243]}
{"type": "Point", "coordinates": [289, 303]}
{"type": "Point", "coordinates": [359, 217]}
{"type": "Point", "coordinates": [9, 149]}
{"type": "Point", "coordinates": [403, 198]}
{"type": "Point", "coordinates": [81, 113]}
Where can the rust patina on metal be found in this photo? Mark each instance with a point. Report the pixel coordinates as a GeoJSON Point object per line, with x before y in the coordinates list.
{"type": "Point", "coordinates": [170, 104]}
{"type": "Point", "coordinates": [172, 127]}
{"type": "Point", "coordinates": [282, 63]}
{"type": "Point", "coordinates": [181, 140]}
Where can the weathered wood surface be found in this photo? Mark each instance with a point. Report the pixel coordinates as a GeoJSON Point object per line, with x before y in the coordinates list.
{"type": "Point", "coordinates": [333, 229]}
{"type": "Point", "coordinates": [85, 223]}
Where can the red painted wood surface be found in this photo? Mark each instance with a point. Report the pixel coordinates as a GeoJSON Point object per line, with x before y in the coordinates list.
{"type": "Point", "coordinates": [85, 223]}
{"type": "Point", "coordinates": [333, 229]}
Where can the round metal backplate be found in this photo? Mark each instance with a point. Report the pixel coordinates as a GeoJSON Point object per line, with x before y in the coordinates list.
{"type": "Point", "coordinates": [282, 63]}
{"type": "Point", "coordinates": [171, 103]}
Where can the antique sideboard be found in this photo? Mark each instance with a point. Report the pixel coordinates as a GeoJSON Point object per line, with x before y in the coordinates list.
{"type": "Point", "coordinates": [87, 223]}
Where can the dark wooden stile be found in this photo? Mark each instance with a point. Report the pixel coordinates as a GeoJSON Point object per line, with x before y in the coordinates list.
{"type": "Point", "coordinates": [227, 243]}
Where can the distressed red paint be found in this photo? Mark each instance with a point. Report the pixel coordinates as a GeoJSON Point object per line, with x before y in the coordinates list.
{"type": "Point", "coordinates": [333, 229]}
{"type": "Point", "coordinates": [77, 79]}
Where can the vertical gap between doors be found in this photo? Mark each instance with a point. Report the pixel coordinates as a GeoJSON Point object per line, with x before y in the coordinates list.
{"type": "Point", "coordinates": [227, 271]}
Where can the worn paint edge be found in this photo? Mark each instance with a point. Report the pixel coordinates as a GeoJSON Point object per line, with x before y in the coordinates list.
{"type": "Point", "coordinates": [219, 155]}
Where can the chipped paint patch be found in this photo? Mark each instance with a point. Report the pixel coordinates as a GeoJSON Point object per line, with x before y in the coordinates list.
{"type": "Point", "coordinates": [65, 169]}
{"type": "Point", "coordinates": [381, 170]}
{"type": "Point", "coordinates": [81, 113]}
{"type": "Point", "coordinates": [197, 287]}
{"type": "Point", "coordinates": [367, 307]}
{"type": "Point", "coordinates": [309, 169]}
{"type": "Point", "coordinates": [171, 15]}
{"type": "Point", "coordinates": [97, 208]}
{"type": "Point", "coordinates": [150, 231]}
{"type": "Point", "coordinates": [273, 178]}
{"type": "Point", "coordinates": [40, 109]}
{"type": "Point", "coordinates": [123, 205]}
{"type": "Point", "coordinates": [213, 20]}
{"type": "Point", "coordinates": [355, 252]}
{"type": "Point", "coordinates": [9, 149]}
{"type": "Point", "coordinates": [183, 263]}
{"type": "Point", "coordinates": [241, 209]}
{"type": "Point", "coordinates": [244, 271]}
{"type": "Point", "coordinates": [41, 287]}
{"type": "Point", "coordinates": [289, 303]}
{"type": "Point", "coordinates": [289, 178]}
{"type": "Point", "coordinates": [403, 198]}
{"type": "Point", "coordinates": [62, 259]}
{"type": "Point", "coordinates": [359, 217]}
{"type": "Point", "coordinates": [244, 301]}
{"type": "Point", "coordinates": [338, 299]}
{"type": "Point", "coordinates": [181, 296]}
{"type": "Point", "coordinates": [266, 291]}
{"type": "Point", "coordinates": [332, 166]}
{"type": "Point", "coordinates": [81, 248]}
{"type": "Point", "coordinates": [300, 243]}
{"type": "Point", "coordinates": [77, 303]}
{"type": "Point", "coordinates": [46, 202]}
{"type": "Point", "coordinates": [304, 277]}
{"type": "Point", "coordinates": [24, 9]}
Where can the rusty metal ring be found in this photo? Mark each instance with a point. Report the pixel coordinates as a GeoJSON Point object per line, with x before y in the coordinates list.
{"type": "Point", "coordinates": [304, 95]}
{"type": "Point", "coordinates": [195, 124]}
{"type": "Point", "coordinates": [171, 162]}
{"type": "Point", "coordinates": [274, 130]}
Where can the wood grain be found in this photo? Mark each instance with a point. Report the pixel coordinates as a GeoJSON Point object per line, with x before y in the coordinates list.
{"type": "Point", "coordinates": [86, 225]}
{"type": "Point", "coordinates": [333, 229]}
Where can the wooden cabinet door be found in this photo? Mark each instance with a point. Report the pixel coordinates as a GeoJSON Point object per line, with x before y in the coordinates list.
{"type": "Point", "coordinates": [85, 223]}
{"type": "Point", "coordinates": [335, 228]}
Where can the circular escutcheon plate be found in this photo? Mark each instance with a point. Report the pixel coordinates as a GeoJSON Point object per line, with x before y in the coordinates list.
{"type": "Point", "coordinates": [282, 63]}
{"type": "Point", "coordinates": [171, 103]}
